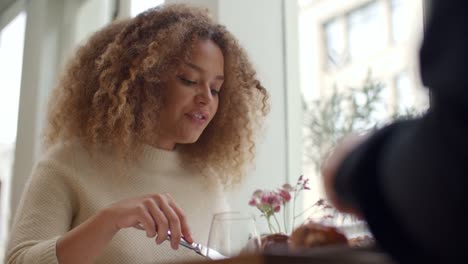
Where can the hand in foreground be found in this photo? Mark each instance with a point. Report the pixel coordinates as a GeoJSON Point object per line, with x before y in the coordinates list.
{"type": "Point", "coordinates": [330, 167]}
{"type": "Point", "coordinates": [156, 214]}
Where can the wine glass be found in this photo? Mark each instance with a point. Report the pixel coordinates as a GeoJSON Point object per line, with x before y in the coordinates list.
{"type": "Point", "coordinates": [233, 234]}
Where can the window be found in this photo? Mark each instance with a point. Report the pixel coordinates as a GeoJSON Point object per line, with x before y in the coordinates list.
{"type": "Point", "coordinates": [336, 43]}
{"type": "Point", "coordinates": [11, 59]}
{"type": "Point", "coordinates": [138, 6]}
{"type": "Point", "coordinates": [404, 93]}
{"type": "Point", "coordinates": [359, 33]}
{"type": "Point", "coordinates": [365, 55]}
{"type": "Point", "coordinates": [367, 34]}
{"type": "Point", "coordinates": [400, 21]}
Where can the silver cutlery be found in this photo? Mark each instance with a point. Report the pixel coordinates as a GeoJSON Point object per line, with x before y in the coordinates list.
{"type": "Point", "coordinates": [199, 248]}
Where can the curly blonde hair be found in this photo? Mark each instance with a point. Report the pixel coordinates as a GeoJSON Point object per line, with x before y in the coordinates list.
{"type": "Point", "coordinates": [112, 90]}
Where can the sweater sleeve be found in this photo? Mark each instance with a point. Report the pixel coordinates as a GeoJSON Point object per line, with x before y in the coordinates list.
{"type": "Point", "coordinates": [409, 179]}
{"type": "Point", "coordinates": [409, 182]}
{"type": "Point", "coordinates": [44, 214]}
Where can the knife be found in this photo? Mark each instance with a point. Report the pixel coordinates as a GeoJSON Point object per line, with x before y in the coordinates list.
{"type": "Point", "coordinates": [199, 248]}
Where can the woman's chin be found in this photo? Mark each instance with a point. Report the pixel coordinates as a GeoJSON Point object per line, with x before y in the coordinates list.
{"type": "Point", "coordinates": [189, 139]}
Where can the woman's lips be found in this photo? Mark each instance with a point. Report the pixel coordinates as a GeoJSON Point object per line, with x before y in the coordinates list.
{"type": "Point", "coordinates": [197, 117]}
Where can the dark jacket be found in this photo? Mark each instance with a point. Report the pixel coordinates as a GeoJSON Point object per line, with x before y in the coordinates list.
{"type": "Point", "coordinates": [409, 178]}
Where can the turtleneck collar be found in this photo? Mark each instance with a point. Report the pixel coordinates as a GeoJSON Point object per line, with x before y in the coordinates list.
{"type": "Point", "coordinates": [152, 157]}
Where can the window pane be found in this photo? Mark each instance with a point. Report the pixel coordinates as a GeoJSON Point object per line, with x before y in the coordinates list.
{"type": "Point", "coordinates": [335, 37]}
{"type": "Point", "coordinates": [405, 96]}
{"type": "Point", "coordinates": [363, 84]}
{"type": "Point", "coordinates": [138, 6]}
{"type": "Point", "coordinates": [367, 34]}
{"type": "Point", "coordinates": [400, 21]}
{"type": "Point", "coordinates": [11, 60]}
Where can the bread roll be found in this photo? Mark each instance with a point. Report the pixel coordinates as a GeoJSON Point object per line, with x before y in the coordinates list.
{"type": "Point", "coordinates": [312, 235]}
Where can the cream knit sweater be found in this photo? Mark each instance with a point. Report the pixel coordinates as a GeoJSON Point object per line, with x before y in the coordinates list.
{"type": "Point", "coordinates": [68, 186]}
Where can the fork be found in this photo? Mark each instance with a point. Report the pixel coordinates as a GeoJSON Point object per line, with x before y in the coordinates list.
{"type": "Point", "coordinates": [199, 248]}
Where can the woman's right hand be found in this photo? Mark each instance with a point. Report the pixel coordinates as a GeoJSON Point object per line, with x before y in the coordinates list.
{"type": "Point", "coordinates": [156, 214]}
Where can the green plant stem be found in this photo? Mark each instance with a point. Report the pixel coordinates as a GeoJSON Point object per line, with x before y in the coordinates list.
{"type": "Point", "coordinates": [294, 206]}
{"type": "Point", "coordinates": [269, 225]}
{"type": "Point", "coordinates": [277, 222]}
{"type": "Point", "coordinates": [305, 210]}
{"type": "Point", "coordinates": [284, 219]}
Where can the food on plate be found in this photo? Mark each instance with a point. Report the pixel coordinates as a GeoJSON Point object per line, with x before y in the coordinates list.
{"type": "Point", "coordinates": [361, 241]}
{"type": "Point", "coordinates": [312, 235]}
{"type": "Point", "coordinates": [274, 241]}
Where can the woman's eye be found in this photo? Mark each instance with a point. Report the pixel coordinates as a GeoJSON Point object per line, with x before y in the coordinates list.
{"type": "Point", "coordinates": [214, 92]}
{"type": "Point", "coordinates": [187, 81]}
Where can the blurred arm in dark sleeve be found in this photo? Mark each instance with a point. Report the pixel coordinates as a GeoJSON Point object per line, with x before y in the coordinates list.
{"type": "Point", "coordinates": [408, 179]}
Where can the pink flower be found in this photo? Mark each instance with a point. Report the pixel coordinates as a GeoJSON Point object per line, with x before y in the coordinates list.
{"type": "Point", "coordinates": [269, 202]}
{"type": "Point", "coordinates": [271, 198]}
{"type": "Point", "coordinates": [287, 187]}
{"type": "Point", "coordinates": [320, 202]}
{"type": "Point", "coordinates": [285, 195]}
{"type": "Point", "coordinates": [305, 184]}
{"type": "Point", "coordinates": [258, 193]}
{"type": "Point", "coordinates": [277, 208]}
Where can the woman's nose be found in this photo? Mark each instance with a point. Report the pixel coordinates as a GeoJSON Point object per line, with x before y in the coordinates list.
{"type": "Point", "coordinates": [204, 96]}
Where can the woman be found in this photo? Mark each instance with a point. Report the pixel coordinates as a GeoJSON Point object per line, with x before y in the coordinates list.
{"type": "Point", "coordinates": [151, 118]}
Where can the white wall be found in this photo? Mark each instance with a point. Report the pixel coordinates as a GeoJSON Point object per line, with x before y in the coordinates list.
{"type": "Point", "coordinates": [90, 16]}
{"type": "Point", "coordinates": [39, 66]}
{"type": "Point", "coordinates": [259, 27]}
{"type": "Point", "coordinates": [51, 35]}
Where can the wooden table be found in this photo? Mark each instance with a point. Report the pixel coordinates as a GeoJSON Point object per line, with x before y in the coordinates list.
{"type": "Point", "coordinates": [326, 255]}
